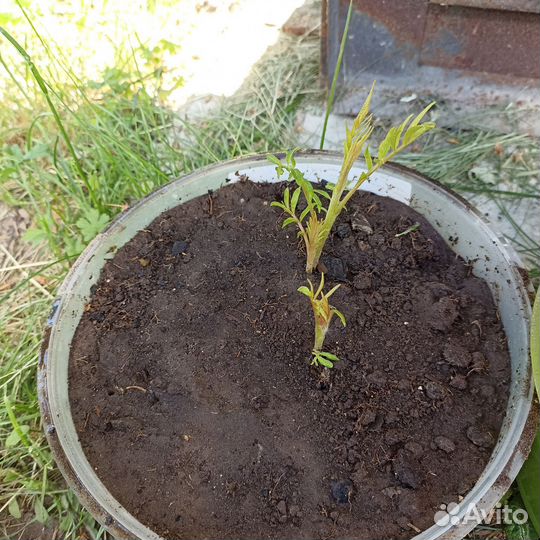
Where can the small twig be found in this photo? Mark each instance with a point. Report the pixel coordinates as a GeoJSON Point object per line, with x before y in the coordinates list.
{"type": "Point", "coordinates": [135, 387]}
{"type": "Point", "coordinates": [477, 324]}
{"type": "Point", "coordinates": [277, 482]}
{"type": "Point", "coordinates": [25, 265]}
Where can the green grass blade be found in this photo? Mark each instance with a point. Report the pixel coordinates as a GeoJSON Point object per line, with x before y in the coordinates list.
{"type": "Point", "coordinates": [535, 342]}
{"type": "Point", "coordinates": [529, 476]}
{"type": "Point", "coordinates": [332, 94]}
{"type": "Point", "coordinates": [529, 484]}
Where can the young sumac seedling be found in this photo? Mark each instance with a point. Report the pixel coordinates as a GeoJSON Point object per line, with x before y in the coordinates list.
{"type": "Point", "coordinates": [323, 313]}
{"type": "Point", "coordinates": [315, 222]}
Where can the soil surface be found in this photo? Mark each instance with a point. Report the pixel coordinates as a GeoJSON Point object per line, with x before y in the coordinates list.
{"type": "Point", "coordinates": [195, 403]}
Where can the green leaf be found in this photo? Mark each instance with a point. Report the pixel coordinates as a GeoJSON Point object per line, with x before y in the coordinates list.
{"type": "Point", "coordinates": [368, 158]}
{"type": "Point", "coordinates": [288, 222]}
{"type": "Point", "coordinates": [330, 356]}
{"type": "Point", "coordinates": [14, 438]}
{"type": "Point", "coordinates": [304, 214]}
{"type": "Point", "coordinates": [364, 110]}
{"type": "Point", "coordinates": [279, 166]}
{"type": "Point", "coordinates": [64, 502]}
{"type": "Point", "coordinates": [6, 172]}
{"type": "Point", "coordinates": [287, 198]}
{"type": "Point", "coordinates": [37, 152]}
{"type": "Point", "coordinates": [41, 512]}
{"type": "Point", "coordinates": [66, 523]}
{"type": "Point", "coordinates": [330, 186]}
{"type": "Point", "coordinates": [13, 508]}
{"type": "Point", "coordinates": [324, 362]}
{"type": "Point", "coordinates": [384, 148]}
{"type": "Point", "coordinates": [528, 481]}
{"type": "Point", "coordinates": [92, 223]}
{"type": "Point", "coordinates": [514, 531]}
{"type": "Point", "coordinates": [411, 229]}
{"type": "Point", "coordinates": [290, 158]}
{"type": "Point", "coordinates": [278, 205]}
{"type": "Point", "coordinates": [319, 310]}
{"type": "Point", "coordinates": [318, 203]}
{"type": "Point", "coordinates": [391, 138]}
{"type": "Point", "coordinates": [332, 291]}
{"type": "Point", "coordinates": [298, 177]}
{"type": "Point", "coordinates": [74, 246]}
{"type": "Point", "coordinates": [402, 127]}
{"type": "Point", "coordinates": [9, 18]}
{"type": "Point", "coordinates": [414, 133]}
{"type": "Point", "coordinates": [416, 129]}
{"type": "Point", "coordinates": [304, 290]}
{"type": "Point", "coordinates": [340, 316]}
{"type": "Point", "coordinates": [320, 287]}
{"type": "Point", "coordinates": [35, 236]}
{"type": "Point", "coordinates": [423, 113]}
{"type": "Point", "coordinates": [9, 475]}
{"type": "Point", "coordinates": [529, 477]}
{"type": "Point", "coordinates": [294, 198]}
{"type": "Point", "coordinates": [323, 193]}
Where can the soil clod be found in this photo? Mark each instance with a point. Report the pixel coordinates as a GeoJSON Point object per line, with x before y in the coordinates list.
{"type": "Point", "coordinates": [179, 247]}
{"type": "Point", "coordinates": [342, 491]}
{"type": "Point", "coordinates": [334, 268]}
{"type": "Point", "coordinates": [444, 444]}
{"type": "Point", "coordinates": [480, 436]}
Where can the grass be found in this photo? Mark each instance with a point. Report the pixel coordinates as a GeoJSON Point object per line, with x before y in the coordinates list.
{"type": "Point", "coordinates": [120, 143]}
{"type": "Point", "coordinates": [332, 91]}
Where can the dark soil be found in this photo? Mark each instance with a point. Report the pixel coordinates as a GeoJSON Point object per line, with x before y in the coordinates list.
{"type": "Point", "coordinates": [193, 397]}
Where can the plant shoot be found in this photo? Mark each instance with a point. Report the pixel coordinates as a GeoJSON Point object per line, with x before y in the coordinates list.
{"type": "Point", "coordinates": [316, 220]}
{"type": "Point", "coordinates": [323, 313]}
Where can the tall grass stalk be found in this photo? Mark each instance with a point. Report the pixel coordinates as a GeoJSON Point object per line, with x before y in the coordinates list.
{"type": "Point", "coordinates": [337, 71]}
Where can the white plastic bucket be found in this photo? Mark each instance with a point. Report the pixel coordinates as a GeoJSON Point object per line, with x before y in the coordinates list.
{"type": "Point", "coordinates": [491, 257]}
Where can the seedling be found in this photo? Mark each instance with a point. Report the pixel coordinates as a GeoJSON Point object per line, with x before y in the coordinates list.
{"type": "Point", "coordinates": [323, 313]}
{"type": "Point", "coordinates": [315, 221]}
{"type": "Point", "coordinates": [411, 229]}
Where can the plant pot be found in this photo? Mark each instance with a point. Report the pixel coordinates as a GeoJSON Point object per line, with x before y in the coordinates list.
{"type": "Point", "coordinates": [490, 256]}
